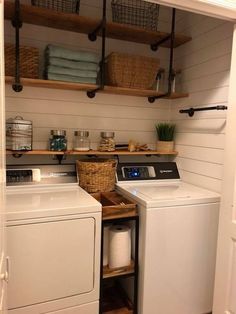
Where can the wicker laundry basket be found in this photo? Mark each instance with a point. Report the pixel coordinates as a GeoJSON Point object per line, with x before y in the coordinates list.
{"type": "Point", "coordinates": [97, 175]}
{"type": "Point", "coordinates": [29, 61]}
{"type": "Point", "coordinates": [132, 71]}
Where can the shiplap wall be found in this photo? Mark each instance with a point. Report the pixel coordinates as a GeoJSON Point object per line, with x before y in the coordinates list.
{"type": "Point", "coordinates": [130, 117]}
{"type": "Point", "coordinates": [205, 64]}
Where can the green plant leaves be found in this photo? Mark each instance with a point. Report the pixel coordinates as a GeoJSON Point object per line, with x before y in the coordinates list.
{"type": "Point", "coordinates": [165, 131]}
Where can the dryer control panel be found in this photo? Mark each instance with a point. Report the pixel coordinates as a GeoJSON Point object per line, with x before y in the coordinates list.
{"type": "Point", "coordinates": [147, 171]}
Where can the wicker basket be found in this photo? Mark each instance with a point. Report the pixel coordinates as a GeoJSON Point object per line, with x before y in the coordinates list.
{"type": "Point", "coordinates": [29, 61]}
{"type": "Point", "coordinates": [69, 6]}
{"type": "Point", "coordinates": [131, 71]}
{"type": "Point", "coordinates": [97, 175]}
{"type": "Point", "coordinates": [136, 12]}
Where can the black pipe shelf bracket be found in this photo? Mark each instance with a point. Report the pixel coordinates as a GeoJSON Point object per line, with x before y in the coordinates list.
{"type": "Point", "coordinates": [155, 46]}
{"type": "Point", "coordinates": [191, 111]}
{"type": "Point", "coordinates": [170, 37]}
{"type": "Point", "coordinates": [93, 36]}
{"type": "Point", "coordinates": [17, 24]}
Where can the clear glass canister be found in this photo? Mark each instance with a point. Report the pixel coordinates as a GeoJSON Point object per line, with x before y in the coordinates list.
{"type": "Point", "coordinates": [58, 140]}
{"type": "Point", "coordinates": [107, 142]}
{"type": "Point", "coordinates": [81, 141]}
{"type": "Point", "coordinates": [19, 134]}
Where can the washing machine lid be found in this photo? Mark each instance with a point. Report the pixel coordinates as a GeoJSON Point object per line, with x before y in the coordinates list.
{"type": "Point", "coordinates": [156, 194]}
{"type": "Point", "coordinates": [48, 201]}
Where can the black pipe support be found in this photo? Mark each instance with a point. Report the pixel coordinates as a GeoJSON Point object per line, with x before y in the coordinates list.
{"type": "Point", "coordinates": [155, 46]}
{"type": "Point", "coordinates": [92, 93]}
{"type": "Point", "coordinates": [151, 99]}
{"type": "Point", "coordinates": [17, 24]}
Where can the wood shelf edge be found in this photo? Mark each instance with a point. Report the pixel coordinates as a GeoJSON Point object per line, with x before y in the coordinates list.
{"type": "Point", "coordinates": [116, 272]}
{"type": "Point", "coordinates": [92, 152]}
{"type": "Point", "coordinates": [87, 87]}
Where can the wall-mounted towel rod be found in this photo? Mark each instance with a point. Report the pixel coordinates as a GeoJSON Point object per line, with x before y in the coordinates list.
{"type": "Point", "coordinates": [191, 111]}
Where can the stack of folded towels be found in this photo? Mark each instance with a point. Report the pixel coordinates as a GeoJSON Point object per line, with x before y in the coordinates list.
{"type": "Point", "coordinates": [62, 64]}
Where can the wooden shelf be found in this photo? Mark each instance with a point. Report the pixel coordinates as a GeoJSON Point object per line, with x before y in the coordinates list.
{"type": "Point", "coordinates": [81, 24]}
{"type": "Point", "coordinates": [118, 272]}
{"type": "Point", "coordinates": [87, 87]}
{"type": "Point", "coordinates": [34, 152]}
{"type": "Point", "coordinates": [91, 153]}
{"type": "Point", "coordinates": [115, 301]}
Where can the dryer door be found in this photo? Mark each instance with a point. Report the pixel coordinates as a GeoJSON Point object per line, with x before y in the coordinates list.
{"type": "Point", "coordinates": [51, 260]}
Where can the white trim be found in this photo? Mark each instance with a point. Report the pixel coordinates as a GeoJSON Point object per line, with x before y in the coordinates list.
{"type": "Point", "coordinates": [200, 7]}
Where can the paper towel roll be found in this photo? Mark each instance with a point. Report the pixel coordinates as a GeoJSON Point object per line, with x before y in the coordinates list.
{"type": "Point", "coordinates": [119, 254]}
{"type": "Point", "coordinates": [105, 244]}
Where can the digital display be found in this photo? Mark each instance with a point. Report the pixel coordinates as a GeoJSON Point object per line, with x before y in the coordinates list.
{"type": "Point", "coordinates": [135, 172]}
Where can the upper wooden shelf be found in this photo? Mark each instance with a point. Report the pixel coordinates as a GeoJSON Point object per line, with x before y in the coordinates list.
{"type": "Point", "coordinates": [86, 87]}
{"type": "Point", "coordinates": [91, 152]}
{"type": "Point", "coordinates": [81, 24]}
{"type": "Point", "coordinates": [118, 272]}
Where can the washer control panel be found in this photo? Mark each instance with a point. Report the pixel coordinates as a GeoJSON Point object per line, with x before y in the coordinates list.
{"type": "Point", "coordinates": [147, 171]}
{"type": "Point", "coordinates": [139, 172]}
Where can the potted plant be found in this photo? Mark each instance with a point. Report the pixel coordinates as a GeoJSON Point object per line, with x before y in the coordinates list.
{"type": "Point", "coordinates": [165, 133]}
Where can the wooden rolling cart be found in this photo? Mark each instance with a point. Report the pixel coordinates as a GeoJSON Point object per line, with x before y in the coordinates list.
{"type": "Point", "coordinates": [113, 299]}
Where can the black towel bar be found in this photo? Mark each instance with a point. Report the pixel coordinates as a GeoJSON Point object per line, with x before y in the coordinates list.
{"type": "Point", "coordinates": [191, 111]}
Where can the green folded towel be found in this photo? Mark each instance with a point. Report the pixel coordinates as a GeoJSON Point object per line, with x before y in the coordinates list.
{"type": "Point", "coordinates": [72, 72]}
{"type": "Point", "coordinates": [69, 78]}
{"type": "Point", "coordinates": [81, 65]}
{"type": "Point", "coordinates": [60, 52]}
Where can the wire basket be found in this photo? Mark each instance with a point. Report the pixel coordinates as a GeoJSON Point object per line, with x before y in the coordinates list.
{"type": "Point", "coordinates": [97, 175]}
{"type": "Point", "coordinates": [136, 12]}
{"type": "Point", "coordinates": [29, 61]}
{"type": "Point", "coordinates": [69, 6]}
{"type": "Point", "coordinates": [131, 71]}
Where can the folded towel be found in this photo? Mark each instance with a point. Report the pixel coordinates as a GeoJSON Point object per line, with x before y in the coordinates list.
{"type": "Point", "coordinates": [81, 65]}
{"type": "Point", "coordinates": [72, 72]}
{"type": "Point", "coordinates": [69, 78]}
{"type": "Point", "coordinates": [59, 52]}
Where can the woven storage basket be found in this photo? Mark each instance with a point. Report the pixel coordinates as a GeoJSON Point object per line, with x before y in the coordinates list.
{"type": "Point", "coordinates": [125, 70]}
{"type": "Point", "coordinates": [68, 6]}
{"type": "Point", "coordinates": [136, 12]}
{"type": "Point", "coordinates": [29, 61]}
{"type": "Point", "coordinates": [97, 175]}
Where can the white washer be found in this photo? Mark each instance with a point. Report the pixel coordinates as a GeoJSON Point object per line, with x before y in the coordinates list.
{"type": "Point", "coordinates": [178, 235]}
{"type": "Point", "coordinates": [53, 233]}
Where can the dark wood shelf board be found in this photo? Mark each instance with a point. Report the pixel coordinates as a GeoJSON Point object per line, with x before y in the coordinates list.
{"type": "Point", "coordinates": [52, 84]}
{"type": "Point", "coordinates": [88, 87]}
{"type": "Point", "coordinates": [117, 272]}
{"type": "Point", "coordinates": [91, 152]}
{"type": "Point", "coordinates": [81, 24]}
{"type": "Point", "coordinates": [34, 152]}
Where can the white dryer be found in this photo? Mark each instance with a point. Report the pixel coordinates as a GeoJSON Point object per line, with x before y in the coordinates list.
{"type": "Point", "coordinates": [53, 233]}
{"type": "Point", "coordinates": [178, 235]}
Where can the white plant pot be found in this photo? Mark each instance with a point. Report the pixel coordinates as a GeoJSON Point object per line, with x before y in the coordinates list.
{"type": "Point", "coordinates": [165, 146]}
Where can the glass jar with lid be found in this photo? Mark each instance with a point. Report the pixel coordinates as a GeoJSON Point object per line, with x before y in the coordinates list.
{"type": "Point", "coordinates": [107, 142]}
{"type": "Point", "coordinates": [81, 141]}
{"type": "Point", "coordinates": [58, 140]}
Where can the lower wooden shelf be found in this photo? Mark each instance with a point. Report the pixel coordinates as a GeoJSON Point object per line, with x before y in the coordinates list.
{"type": "Point", "coordinates": [115, 301]}
{"type": "Point", "coordinates": [90, 152]}
{"type": "Point", "coordinates": [88, 87]}
{"type": "Point", "coordinates": [118, 272]}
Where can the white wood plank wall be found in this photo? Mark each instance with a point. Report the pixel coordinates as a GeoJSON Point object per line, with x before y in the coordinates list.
{"type": "Point", "coordinates": [130, 117]}
{"type": "Point", "coordinates": [205, 64]}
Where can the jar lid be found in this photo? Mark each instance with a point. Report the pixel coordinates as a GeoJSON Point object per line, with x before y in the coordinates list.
{"type": "Point", "coordinates": [19, 120]}
{"type": "Point", "coordinates": [58, 132]}
{"type": "Point", "coordinates": [81, 133]}
{"type": "Point", "coordinates": [108, 134]}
